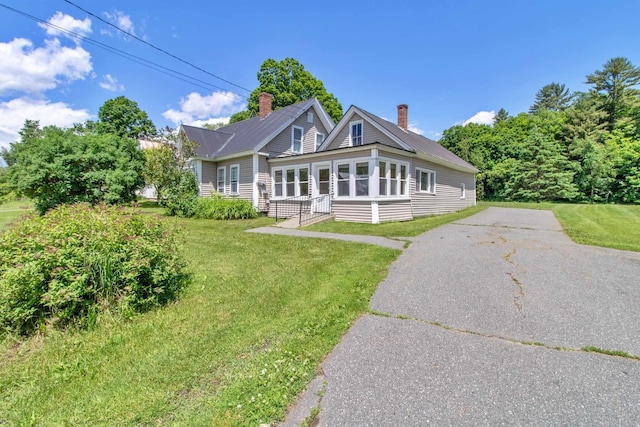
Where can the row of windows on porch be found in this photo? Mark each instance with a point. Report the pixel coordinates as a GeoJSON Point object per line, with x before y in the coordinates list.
{"type": "Point", "coordinates": [353, 179]}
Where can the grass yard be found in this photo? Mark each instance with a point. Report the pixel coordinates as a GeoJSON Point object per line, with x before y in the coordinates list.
{"type": "Point", "coordinates": [395, 229]}
{"type": "Point", "coordinates": [237, 348]}
{"type": "Point", "coordinates": [12, 210]}
{"type": "Point", "coordinates": [609, 226]}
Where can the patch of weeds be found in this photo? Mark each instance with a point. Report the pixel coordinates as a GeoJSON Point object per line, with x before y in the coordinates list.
{"type": "Point", "coordinates": [312, 420]}
{"type": "Point", "coordinates": [618, 353]}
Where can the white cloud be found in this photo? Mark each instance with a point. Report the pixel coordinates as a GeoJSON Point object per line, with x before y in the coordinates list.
{"type": "Point", "coordinates": [212, 121]}
{"type": "Point", "coordinates": [13, 114]}
{"type": "Point", "coordinates": [120, 20]}
{"type": "Point", "coordinates": [481, 118]}
{"type": "Point", "coordinates": [209, 107]}
{"type": "Point", "coordinates": [69, 23]}
{"type": "Point", "coordinates": [413, 127]}
{"type": "Point", "coordinates": [111, 84]}
{"type": "Point", "coordinates": [29, 70]}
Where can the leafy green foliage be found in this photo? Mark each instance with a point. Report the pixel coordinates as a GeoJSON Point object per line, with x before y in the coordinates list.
{"type": "Point", "coordinates": [122, 116]}
{"type": "Point", "coordinates": [55, 166]}
{"type": "Point", "coordinates": [219, 207]}
{"type": "Point", "coordinates": [585, 146]}
{"type": "Point", "coordinates": [6, 193]}
{"type": "Point", "coordinates": [288, 82]}
{"type": "Point", "coordinates": [181, 197]}
{"type": "Point", "coordinates": [74, 262]}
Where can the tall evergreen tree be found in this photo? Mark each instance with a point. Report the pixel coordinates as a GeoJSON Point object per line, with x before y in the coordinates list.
{"type": "Point", "coordinates": [553, 97]}
{"type": "Point", "coordinates": [614, 85]}
{"type": "Point", "coordinates": [501, 116]}
{"type": "Point", "coordinates": [543, 173]}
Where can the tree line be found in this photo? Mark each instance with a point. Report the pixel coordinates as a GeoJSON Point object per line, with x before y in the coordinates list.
{"type": "Point", "coordinates": [569, 146]}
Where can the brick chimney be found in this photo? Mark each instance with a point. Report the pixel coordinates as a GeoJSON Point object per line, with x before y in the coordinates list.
{"type": "Point", "coordinates": [264, 106]}
{"type": "Point", "coordinates": [403, 116]}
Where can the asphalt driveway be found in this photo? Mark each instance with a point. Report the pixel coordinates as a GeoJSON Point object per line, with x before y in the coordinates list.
{"type": "Point", "coordinates": [481, 323]}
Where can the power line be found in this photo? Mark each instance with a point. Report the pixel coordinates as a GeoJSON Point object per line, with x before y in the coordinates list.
{"type": "Point", "coordinates": [134, 58]}
{"type": "Point", "coordinates": [156, 47]}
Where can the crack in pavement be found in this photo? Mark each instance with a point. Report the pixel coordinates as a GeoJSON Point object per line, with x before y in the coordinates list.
{"type": "Point", "coordinates": [585, 349]}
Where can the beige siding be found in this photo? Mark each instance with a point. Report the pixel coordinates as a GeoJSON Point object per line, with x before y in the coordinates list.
{"type": "Point", "coordinates": [447, 197]}
{"type": "Point", "coordinates": [395, 210]}
{"type": "Point", "coordinates": [245, 185]}
{"type": "Point", "coordinates": [370, 134]}
{"type": "Point", "coordinates": [353, 211]}
{"type": "Point", "coordinates": [208, 177]}
{"type": "Point", "coordinates": [281, 145]}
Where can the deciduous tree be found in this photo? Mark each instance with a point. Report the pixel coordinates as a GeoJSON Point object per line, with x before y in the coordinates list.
{"type": "Point", "coordinates": [122, 116]}
{"type": "Point", "coordinates": [288, 82]}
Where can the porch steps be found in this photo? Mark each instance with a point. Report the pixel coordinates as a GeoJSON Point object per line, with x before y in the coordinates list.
{"type": "Point", "coordinates": [294, 221]}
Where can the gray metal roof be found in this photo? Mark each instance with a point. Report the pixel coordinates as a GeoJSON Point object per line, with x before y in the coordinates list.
{"type": "Point", "coordinates": [245, 135]}
{"type": "Point", "coordinates": [417, 142]}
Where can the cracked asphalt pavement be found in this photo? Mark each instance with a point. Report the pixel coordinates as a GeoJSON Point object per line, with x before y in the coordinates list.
{"type": "Point", "coordinates": [482, 322]}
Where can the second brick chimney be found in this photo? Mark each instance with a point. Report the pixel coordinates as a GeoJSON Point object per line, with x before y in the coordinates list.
{"type": "Point", "coordinates": [264, 105]}
{"type": "Point", "coordinates": [403, 116]}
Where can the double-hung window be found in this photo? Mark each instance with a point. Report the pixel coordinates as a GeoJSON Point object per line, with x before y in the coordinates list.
{"type": "Point", "coordinates": [362, 179]}
{"type": "Point", "coordinates": [344, 178]}
{"type": "Point", "coordinates": [355, 133]}
{"type": "Point", "coordinates": [222, 171]}
{"type": "Point", "coordinates": [291, 181]}
{"type": "Point", "coordinates": [234, 178]}
{"type": "Point", "coordinates": [296, 139]}
{"type": "Point", "coordinates": [303, 181]}
{"type": "Point", "coordinates": [319, 140]}
{"type": "Point", "coordinates": [278, 183]}
{"type": "Point", "coordinates": [426, 181]}
{"type": "Point", "coordinates": [393, 178]}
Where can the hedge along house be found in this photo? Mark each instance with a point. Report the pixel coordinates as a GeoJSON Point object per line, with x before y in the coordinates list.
{"type": "Point", "coordinates": [367, 168]}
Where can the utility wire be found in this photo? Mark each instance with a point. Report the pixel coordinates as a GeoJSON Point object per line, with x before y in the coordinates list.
{"type": "Point", "coordinates": [149, 64]}
{"type": "Point", "coordinates": [155, 66]}
{"type": "Point", "coordinates": [155, 47]}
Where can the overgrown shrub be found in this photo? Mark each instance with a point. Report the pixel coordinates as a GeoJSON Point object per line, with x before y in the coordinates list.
{"type": "Point", "coordinates": [180, 199]}
{"type": "Point", "coordinates": [66, 267]}
{"type": "Point", "coordinates": [219, 207]}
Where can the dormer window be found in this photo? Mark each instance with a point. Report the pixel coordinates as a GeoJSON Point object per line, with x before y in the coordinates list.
{"type": "Point", "coordinates": [296, 139]}
{"type": "Point", "coordinates": [355, 133]}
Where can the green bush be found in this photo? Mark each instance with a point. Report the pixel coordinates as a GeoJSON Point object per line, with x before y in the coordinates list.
{"type": "Point", "coordinates": [66, 267]}
{"type": "Point", "coordinates": [180, 199]}
{"type": "Point", "coordinates": [219, 207]}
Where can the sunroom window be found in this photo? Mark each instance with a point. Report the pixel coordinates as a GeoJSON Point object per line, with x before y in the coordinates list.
{"type": "Point", "coordinates": [362, 179]}
{"type": "Point", "coordinates": [343, 179]}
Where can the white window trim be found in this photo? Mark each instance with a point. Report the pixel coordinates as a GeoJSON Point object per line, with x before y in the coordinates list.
{"type": "Point", "coordinates": [352, 177]}
{"type": "Point", "coordinates": [399, 164]}
{"type": "Point", "coordinates": [419, 172]}
{"type": "Point", "coordinates": [310, 116]}
{"type": "Point", "coordinates": [296, 182]}
{"type": "Point", "coordinates": [231, 167]}
{"type": "Point", "coordinates": [463, 191]}
{"type": "Point", "coordinates": [316, 141]}
{"type": "Point", "coordinates": [224, 179]}
{"type": "Point", "coordinates": [351, 124]}
{"type": "Point", "coordinates": [293, 128]}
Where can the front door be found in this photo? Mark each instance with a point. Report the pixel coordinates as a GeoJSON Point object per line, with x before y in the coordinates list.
{"type": "Point", "coordinates": [321, 187]}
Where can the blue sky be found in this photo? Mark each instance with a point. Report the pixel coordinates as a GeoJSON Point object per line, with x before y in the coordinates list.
{"type": "Point", "coordinates": [449, 61]}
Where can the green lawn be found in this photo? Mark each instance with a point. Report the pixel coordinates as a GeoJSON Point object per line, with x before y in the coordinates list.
{"type": "Point", "coordinates": [394, 229]}
{"type": "Point", "coordinates": [13, 210]}
{"type": "Point", "coordinates": [609, 226]}
{"type": "Point", "coordinates": [236, 349]}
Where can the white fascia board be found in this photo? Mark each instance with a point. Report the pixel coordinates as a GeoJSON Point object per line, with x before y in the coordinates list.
{"type": "Point", "coordinates": [326, 120]}
{"type": "Point", "coordinates": [336, 130]}
{"type": "Point", "coordinates": [227, 157]}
